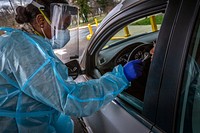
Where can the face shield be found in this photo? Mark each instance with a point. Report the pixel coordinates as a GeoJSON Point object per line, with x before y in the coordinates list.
{"type": "Point", "coordinates": [64, 22]}
{"type": "Point", "coordinates": [65, 31]}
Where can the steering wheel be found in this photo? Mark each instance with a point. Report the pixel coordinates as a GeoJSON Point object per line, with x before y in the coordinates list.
{"type": "Point", "coordinates": [141, 52]}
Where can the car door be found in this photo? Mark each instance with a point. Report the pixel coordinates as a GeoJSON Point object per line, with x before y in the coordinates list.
{"type": "Point", "coordinates": [177, 107]}
{"type": "Point", "coordinates": [120, 115]}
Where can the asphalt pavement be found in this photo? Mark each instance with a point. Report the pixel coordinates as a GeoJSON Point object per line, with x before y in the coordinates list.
{"type": "Point", "coordinates": [72, 48]}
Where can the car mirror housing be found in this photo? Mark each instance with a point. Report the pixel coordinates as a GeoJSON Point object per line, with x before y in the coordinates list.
{"type": "Point", "coordinates": [74, 68]}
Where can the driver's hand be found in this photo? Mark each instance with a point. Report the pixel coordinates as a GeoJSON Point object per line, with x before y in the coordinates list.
{"type": "Point", "coordinates": [133, 69]}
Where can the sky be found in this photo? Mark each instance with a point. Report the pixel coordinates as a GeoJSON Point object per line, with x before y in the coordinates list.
{"type": "Point", "coordinates": [3, 2]}
{"type": "Point", "coordinates": [7, 3]}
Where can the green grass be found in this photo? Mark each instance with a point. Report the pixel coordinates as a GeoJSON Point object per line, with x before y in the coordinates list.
{"type": "Point", "coordinates": [91, 20]}
{"type": "Point", "coordinates": [146, 21]}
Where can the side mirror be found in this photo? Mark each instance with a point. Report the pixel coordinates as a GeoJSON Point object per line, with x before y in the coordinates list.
{"type": "Point", "coordinates": [74, 68]}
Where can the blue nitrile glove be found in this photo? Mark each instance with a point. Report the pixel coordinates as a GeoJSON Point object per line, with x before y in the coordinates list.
{"type": "Point", "coordinates": [133, 69]}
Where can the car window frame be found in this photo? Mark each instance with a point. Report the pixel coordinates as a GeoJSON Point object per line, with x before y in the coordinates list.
{"type": "Point", "coordinates": [99, 39]}
{"type": "Point", "coordinates": [177, 42]}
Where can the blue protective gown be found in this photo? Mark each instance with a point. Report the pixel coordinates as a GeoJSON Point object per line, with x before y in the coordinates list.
{"type": "Point", "coordinates": [35, 88]}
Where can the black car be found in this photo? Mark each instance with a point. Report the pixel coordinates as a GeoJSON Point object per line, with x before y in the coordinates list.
{"type": "Point", "coordinates": [167, 97]}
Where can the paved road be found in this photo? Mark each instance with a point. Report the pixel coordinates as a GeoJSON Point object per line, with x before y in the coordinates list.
{"type": "Point", "coordinates": [83, 41]}
{"type": "Point", "coordinates": [71, 48]}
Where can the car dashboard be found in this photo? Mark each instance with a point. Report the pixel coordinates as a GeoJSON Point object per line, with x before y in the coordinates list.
{"type": "Point", "coordinates": [137, 47]}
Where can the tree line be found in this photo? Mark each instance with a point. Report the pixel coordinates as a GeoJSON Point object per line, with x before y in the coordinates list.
{"type": "Point", "coordinates": [94, 7]}
{"type": "Point", "coordinates": [87, 8]}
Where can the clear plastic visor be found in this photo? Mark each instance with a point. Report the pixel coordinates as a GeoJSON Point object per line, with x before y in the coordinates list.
{"type": "Point", "coordinates": [65, 30]}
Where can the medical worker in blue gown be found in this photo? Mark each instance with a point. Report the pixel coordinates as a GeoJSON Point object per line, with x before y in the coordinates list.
{"type": "Point", "coordinates": [36, 93]}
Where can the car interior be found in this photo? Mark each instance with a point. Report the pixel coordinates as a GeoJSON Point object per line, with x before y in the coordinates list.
{"type": "Point", "coordinates": [136, 43]}
{"type": "Point", "coordinates": [121, 49]}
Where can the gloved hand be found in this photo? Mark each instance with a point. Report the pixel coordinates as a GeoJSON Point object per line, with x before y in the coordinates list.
{"type": "Point", "coordinates": [133, 69]}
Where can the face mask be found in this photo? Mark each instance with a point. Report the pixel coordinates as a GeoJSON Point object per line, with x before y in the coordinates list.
{"type": "Point", "coordinates": [62, 39]}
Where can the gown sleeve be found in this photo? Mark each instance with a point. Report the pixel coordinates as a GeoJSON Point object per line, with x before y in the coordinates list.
{"type": "Point", "coordinates": [42, 76]}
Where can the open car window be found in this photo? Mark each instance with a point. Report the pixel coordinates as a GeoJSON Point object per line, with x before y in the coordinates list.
{"type": "Point", "coordinates": [131, 42]}
{"type": "Point", "coordinates": [139, 27]}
